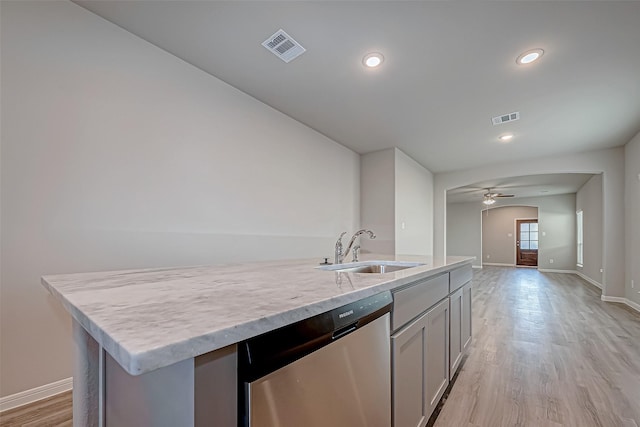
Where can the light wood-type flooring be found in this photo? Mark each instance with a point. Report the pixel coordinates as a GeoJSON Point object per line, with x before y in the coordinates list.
{"type": "Point", "coordinates": [55, 411]}
{"type": "Point", "coordinates": [546, 352]}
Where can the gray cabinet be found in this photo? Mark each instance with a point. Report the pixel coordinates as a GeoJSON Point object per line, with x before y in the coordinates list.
{"type": "Point", "coordinates": [456, 347]}
{"type": "Point", "coordinates": [460, 306]}
{"type": "Point", "coordinates": [466, 317]}
{"type": "Point", "coordinates": [437, 358]}
{"type": "Point", "coordinates": [409, 350]}
{"type": "Point", "coordinates": [420, 362]}
{"type": "Point", "coordinates": [460, 326]}
{"type": "Point", "coordinates": [431, 324]}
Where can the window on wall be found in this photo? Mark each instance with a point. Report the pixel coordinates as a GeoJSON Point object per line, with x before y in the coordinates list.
{"type": "Point", "coordinates": [580, 242]}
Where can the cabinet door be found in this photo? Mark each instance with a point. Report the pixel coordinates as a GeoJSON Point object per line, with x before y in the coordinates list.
{"type": "Point", "coordinates": [437, 354]}
{"type": "Point", "coordinates": [409, 349]}
{"type": "Point", "coordinates": [466, 317]}
{"type": "Point", "coordinates": [456, 346]}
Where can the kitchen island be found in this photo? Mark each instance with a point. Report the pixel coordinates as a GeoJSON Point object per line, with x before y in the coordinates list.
{"type": "Point", "coordinates": [158, 346]}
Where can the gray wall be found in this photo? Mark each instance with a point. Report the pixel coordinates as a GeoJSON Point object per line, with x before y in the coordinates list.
{"type": "Point", "coordinates": [414, 207]}
{"type": "Point", "coordinates": [464, 231]}
{"type": "Point", "coordinates": [116, 154]}
{"type": "Point", "coordinates": [556, 218]}
{"type": "Point", "coordinates": [377, 200]}
{"type": "Point", "coordinates": [609, 162]}
{"type": "Point", "coordinates": [499, 233]}
{"type": "Point", "coordinates": [396, 203]}
{"type": "Point", "coordinates": [632, 216]}
{"type": "Point", "coordinates": [589, 201]}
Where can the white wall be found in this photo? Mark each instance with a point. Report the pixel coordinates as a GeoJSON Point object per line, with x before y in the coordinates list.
{"type": "Point", "coordinates": [377, 201]}
{"type": "Point", "coordinates": [414, 207]}
{"type": "Point", "coordinates": [610, 162]}
{"type": "Point", "coordinates": [499, 232]}
{"type": "Point", "coordinates": [116, 154]}
{"type": "Point", "coordinates": [589, 201]}
{"type": "Point", "coordinates": [632, 216]}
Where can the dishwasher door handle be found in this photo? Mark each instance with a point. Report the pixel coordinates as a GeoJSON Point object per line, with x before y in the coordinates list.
{"type": "Point", "coordinates": [344, 331]}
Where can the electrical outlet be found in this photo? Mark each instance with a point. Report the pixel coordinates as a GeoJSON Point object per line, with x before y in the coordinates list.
{"type": "Point", "coordinates": [633, 285]}
{"type": "Point", "coordinates": [403, 225]}
{"type": "Point", "coordinates": [488, 256]}
{"type": "Point", "coordinates": [602, 270]}
{"type": "Point", "coordinates": [551, 261]}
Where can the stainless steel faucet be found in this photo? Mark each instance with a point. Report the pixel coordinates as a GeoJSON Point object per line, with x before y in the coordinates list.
{"type": "Point", "coordinates": [340, 255]}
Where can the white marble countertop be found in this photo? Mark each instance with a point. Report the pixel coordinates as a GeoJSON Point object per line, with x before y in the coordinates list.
{"type": "Point", "coordinates": [148, 319]}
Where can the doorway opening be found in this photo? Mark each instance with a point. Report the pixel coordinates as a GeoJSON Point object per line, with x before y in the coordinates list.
{"type": "Point", "coordinates": [527, 242]}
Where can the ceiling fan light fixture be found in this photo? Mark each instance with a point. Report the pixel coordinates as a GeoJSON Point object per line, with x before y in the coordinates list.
{"type": "Point", "coordinates": [488, 201]}
{"type": "Point", "coordinates": [506, 137]}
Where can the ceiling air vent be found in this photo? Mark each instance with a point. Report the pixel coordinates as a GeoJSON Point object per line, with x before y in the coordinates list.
{"type": "Point", "coordinates": [498, 120]}
{"type": "Point", "coordinates": [283, 46]}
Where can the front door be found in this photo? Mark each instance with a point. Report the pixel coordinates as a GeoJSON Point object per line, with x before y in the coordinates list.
{"type": "Point", "coordinates": [527, 242]}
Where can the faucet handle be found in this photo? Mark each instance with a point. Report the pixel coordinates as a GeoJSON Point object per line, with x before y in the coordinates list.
{"type": "Point", "coordinates": [356, 250]}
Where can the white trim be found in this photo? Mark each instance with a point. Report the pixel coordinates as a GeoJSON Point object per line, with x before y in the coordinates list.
{"type": "Point", "coordinates": [548, 270]}
{"type": "Point", "coordinates": [606, 298]}
{"type": "Point", "coordinates": [633, 305]}
{"type": "Point", "coordinates": [589, 279]}
{"type": "Point", "coordinates": [479, 267]}
{"type": "Point", "coordinates": [498, 264]}
{"type": "Point", "coordinates": [621, 300]}
{"type": "Point", "coordinates": [35, 394]}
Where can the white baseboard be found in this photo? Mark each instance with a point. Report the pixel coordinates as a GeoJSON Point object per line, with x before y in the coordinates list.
{"type": "Point", "coordinates": [613, 299]}
{"type": "Point", "coordinates": [35, 394]}
{"type": "Point", "coordinates": [498, 264]}
{"type": "Point", "coordinates": [479, 267]}
{"type": "Point", "coordinates": [622, 300]}
{"type": "Point", "coordinates": [589, 279]}
{"type": "Point", "coordinates": [633, 305]}
{"type": "Point", "coordinates": [549, 270]}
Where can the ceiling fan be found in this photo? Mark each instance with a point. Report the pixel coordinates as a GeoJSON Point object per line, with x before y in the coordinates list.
{"type": "Point", "coordinates": [490, 198]}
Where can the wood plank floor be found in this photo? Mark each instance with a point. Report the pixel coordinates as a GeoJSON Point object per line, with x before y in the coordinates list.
{"type": "Point", "coordinates": [546, 352]}
{"type": "Point", "coordinates": [55, 411]}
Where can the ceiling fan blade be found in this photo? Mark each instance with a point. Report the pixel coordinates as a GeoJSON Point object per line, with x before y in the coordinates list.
{"type": "Point", "coordinates": [504, 195]}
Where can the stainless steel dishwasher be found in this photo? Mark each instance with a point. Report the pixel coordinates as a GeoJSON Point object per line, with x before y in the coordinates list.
{"type": "Point", "coordinates": [332, 369]}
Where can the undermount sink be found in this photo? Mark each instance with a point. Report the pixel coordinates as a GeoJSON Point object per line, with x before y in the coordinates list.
{"type": "Point", "coordinates": [370, 266]}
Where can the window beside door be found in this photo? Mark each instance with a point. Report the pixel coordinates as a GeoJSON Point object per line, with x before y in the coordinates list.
{"type": "Point", "coordinates": [579, 242]}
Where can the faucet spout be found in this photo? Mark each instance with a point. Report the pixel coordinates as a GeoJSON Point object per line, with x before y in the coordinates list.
{"type": "Point", "coordinates": [353, 239]}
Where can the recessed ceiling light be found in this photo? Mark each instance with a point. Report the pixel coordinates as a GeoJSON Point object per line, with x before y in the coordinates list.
{"type": "Point", "coordinates": [506, 137]}
{"type": "Point", "coordinates": [529, 56]}
{"type": "Point", "coordinates": [373, 59]}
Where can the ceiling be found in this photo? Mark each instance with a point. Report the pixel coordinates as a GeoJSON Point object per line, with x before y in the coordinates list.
{"type": "Point", "coordinates": [449, 67]}
{"type": "Point", "coordinates": [520, 186]}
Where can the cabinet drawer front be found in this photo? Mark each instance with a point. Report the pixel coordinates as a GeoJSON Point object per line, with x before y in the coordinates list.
{"type": "Point", "coordinates": [408, 303]}
{"type": "Point", "coordinates": [459, 277]}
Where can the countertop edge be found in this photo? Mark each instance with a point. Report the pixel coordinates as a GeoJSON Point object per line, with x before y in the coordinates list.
{"type": "Point", "coordinates": [162, 356]}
